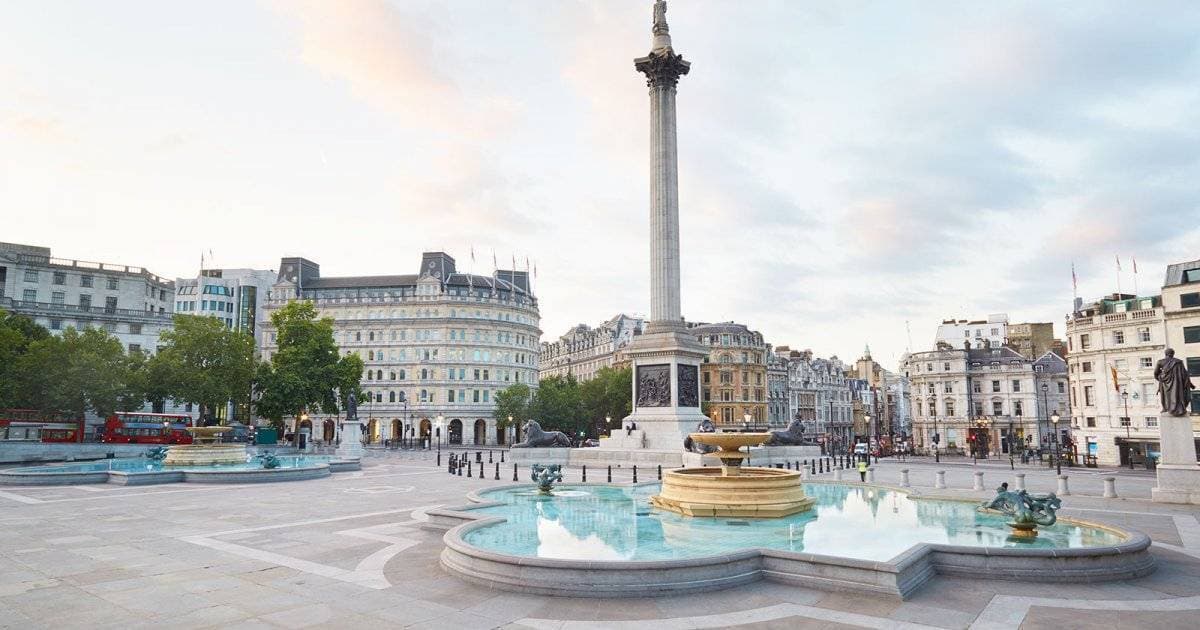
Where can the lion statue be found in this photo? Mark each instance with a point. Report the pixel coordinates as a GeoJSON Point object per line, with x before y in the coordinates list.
{"type": "Point", "coordinates": [705, 426]}
{"type": "Point", "coordinates": [535, 437]}
{"type": "Point", "coordinates": [793, 435]}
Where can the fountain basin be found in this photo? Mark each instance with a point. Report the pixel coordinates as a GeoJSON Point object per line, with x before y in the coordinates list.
{"type": "Point", "coordinates": [205, 454]}
{"type": "Point", "coordinates": [867, 539]}
{"type": "Point", "coordinates": [140, 471]}
{"type": "Point", "coordinates": [752, 493]}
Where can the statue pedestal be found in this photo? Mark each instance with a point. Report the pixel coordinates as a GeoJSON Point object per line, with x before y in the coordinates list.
{"type": "Point", "coordinates": [1178, 473]}
{"type": "Point", "coordinates": [666, 381]}
{"type": "Point", "coordinates": [351, 445]}
{"type": "Point", "coordinates": [538, 455]}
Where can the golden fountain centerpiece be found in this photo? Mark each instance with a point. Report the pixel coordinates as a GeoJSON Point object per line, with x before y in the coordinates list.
{"type": "Point", "coordinates": [732, 489]}
{"type": "Point", "coordinates": [206, 449]}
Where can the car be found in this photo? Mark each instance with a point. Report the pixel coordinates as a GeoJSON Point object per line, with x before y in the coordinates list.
{"type": "Point", "coordinates": [860, 448]}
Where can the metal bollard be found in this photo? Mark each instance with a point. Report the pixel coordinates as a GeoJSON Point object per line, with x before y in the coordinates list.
{"type": "Point", "coordinates": [635, 473]}
{"type": "Point", "coordinates": [460, 469]}
{"type": "Point", "coordinates": [941, 480]}
{"type": "Point", "coordinates": [871, 474]}
{"type": "Point", "coordinates": [489, 456]}
{"type": "Point", "coordinates": [481, 475]}
{"type": "Point", "coordinates": [978, 481]}
{"type": "Point", "coordinates": [904, 478]}
{"type": "Point", "coordinates": [660, 472]}
{"type": "Point", "coordinates": [813, 467]}
{"type": "Point", "coordinates": [1064, 490]}
{"type": "Point", "coordinates": [514, 472]}
{"type": "Point", "coordinates": [1020, 482]}
{"type": "Point", "coordinates": [497, 471]}
{"type": "Point", "coordinates": [610, 473]}
{"type": "Point", "coordinates": [470, 467]}
{"type": "Point", "coordinates": [1110, 487]}
{"type": "Point", "coordinates": [501, 457]}
{"type": "Point", "coordinates": [585, 473]}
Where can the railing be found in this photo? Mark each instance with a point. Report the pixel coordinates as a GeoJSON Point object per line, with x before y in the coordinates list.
{"type": "Point", "coordinates": [83, 264]}
{"type": "Point", "coordinates": [73, 309]}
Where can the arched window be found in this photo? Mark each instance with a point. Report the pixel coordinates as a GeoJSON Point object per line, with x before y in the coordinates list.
{"type": "Point", "coordinates": [402, 375]}
{"type": "Point", "coordinates": [393, 375]}
{"type": "Point", "coordinates": [358, 336]}
{"type": "Point", "coordinates": [391, 396]}
{"type": "Point", "coordinates": [371, 336]}
{"type": "Point", "coordinates": [424, 395]}
{"type": "Point", "coordinates": [424, 373]}
{"type": "Point", "coordinates": [370, 355]}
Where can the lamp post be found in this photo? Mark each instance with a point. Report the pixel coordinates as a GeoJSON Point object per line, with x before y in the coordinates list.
{"type": "Point", "coordinates": [296, 434]}
{"type": "Point", "coordinates": [937, 438]}
{"type": "Point", "coordinates": [1128, 426]}
{"type": "Point", "coordinates": [746, 423]}
{"type": "Point", "coordinates": [1045, 409]}
{"type": "Point", "coordinates": [1011, 436]}
{"type": "Point", "coordinates": [440, 420]}
{"type": "Point", "coordinates": [870, 434]}
{"type": "Point", "coordinates": [1054, 418]}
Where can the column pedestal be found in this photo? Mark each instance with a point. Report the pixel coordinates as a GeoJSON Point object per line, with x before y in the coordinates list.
{"type": "Point", "coordinates": [1178, 473]}
{"type": "Point", "coordinates": [666, 385]}
{"type": "Point", "coordinates": [351, 445]}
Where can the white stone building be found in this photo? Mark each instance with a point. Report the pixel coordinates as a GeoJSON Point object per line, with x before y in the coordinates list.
{"type": "Point", "coordinates": [1114, 344]}
{"type": "Point", "coordinates": [977, 398]}
{"type": "Point", "coordinates": [819, 395]}
{"type": "Point", "coordinates": [992, 331]}
{"type": "Point", "coordinates": [436, 345]}
{"type": "Point", "coordinates": [583, 350]}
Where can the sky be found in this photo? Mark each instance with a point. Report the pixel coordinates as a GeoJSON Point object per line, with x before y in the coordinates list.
{"type": "Point", "coordinates": [849, 172]}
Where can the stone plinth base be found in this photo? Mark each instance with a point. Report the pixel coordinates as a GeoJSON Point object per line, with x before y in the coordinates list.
{"type": "Point", "coordinates": [626, 458]}
{"type": "Point", "coordinates": [205, 454]}
{"type": "Point", "coordinates": [1177, 484]}
{"type": "Point", "coordinates": [752, 493]}
{"type": "Point", "coordinates": [771, 455]}
{"type": "Point", "coordinates": [620, 438]}
{"type": "Point", "coordinates": [548, 456]}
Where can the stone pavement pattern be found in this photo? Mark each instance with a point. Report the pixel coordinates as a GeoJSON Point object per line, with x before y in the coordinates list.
{"type": "Point", "coordinates": [348, 552]}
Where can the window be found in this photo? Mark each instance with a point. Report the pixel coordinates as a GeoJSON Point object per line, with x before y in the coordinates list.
{"type": "Point", "coordinates": [946, 366]}
{"type": "Point", "coordinates": [58, 297]}
{"type": "Point", "coordinates": [1089, 395]}
{"type": "Point", "coordinates": [1125, 422]}
{"type": "Point", "coordinates": [1118, 337]}
{"type": "Point", "coordinates": [135, 329]}
{"type": "Point", "coordinates": [1085, 341]}
{"type": "Point", "coordinates": [85, 301]}
{"type": "Point", "coordinates": [1016, 386]}
{"type": "Point", "coordinates": [85, 281]}
{"type": "Point", "coordinates": [1193, 366]}
{"type": "Point", "coordinates": [56, 324]}
{"type": "Point", "coordinates": [111, 284]}
{"type": "Point", "coordinates": [1086, 366]}
{"type": "Point", "coordinates": [1090, 422]}
{"type": "Point", "coordinates": [110, 304]}
{"type": "Point", "coordinates": [1146, 362]}
{"type": "Point", "coordinates": [1191, 334]}
{"type": "Point", "coordinates": [1186, 300]}
{"type": "Point", "coordinates": [1144, 334]}
{"type": "Point", "coordinates": [949, 407]}
{"type": "Point", "coordinates": [995, 386]}
{"type": "Point", "coordinates": [1062, 387]}
{"type": "Point", "coordinates": [978, 408]}
{"type": "Point", "coordinates": [60, 277]}
{"type": "Point", "coordinates": [29, 295]}
{"type": "Point", "coordinates": [949, 387]}
{"type": "Point", "coordinates": [1018, 408]}
{"type": "Point", "coordinates": [1151, 421]}
{"type": "Point", "coordinates": [135, 347]}
{"type": "Point", "coordinates": [997, 408]}
{"type": "Point", "coordinates": [31, 275]}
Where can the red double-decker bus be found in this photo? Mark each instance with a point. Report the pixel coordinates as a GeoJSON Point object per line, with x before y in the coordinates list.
{"type": "Point", "coordinates": [147, 428]}
{"type": "Point", "coordinates": [31, 425]}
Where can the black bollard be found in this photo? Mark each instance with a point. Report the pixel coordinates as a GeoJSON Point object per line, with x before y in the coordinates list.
{"type": "Point", "coordinates": [439, 462]}
{"type": "Point", "coordinates": [481, 475]}
{"type": "Point", "coordinates": [514, 472]}
{"type": "Point", "coordinates": [469, 469]}
{"type": "Point", "coordinates": [489, 456]}
{"type": "Point", "coordinates": [660, 472]}
{"type": "Point", "coordinates": [813, 468]}
{"type": "Point", "coordinates": [501, 457]}
{"type": "Point", "coordinates": [460, 470]}
{"type": "Point", "coordinates": [585, 473]}
{"type": "Point", "coordinates": [635, 473]}
{"type": "Point", "coordinates": [610, 473]}
{"type": "Point", "coordinates": [497, 471]}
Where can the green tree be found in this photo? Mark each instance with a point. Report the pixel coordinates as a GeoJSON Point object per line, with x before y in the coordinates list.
{"type": "Point", "coordinates": [607, 395]}
{"type": "Point", "coordinates": [16, 334]}
{"type": "Point", "coordinates": [513, 401]}
{"type": "Point", "coordinates": [305, 373]}
{"type": "Point", "coordinates": [76, 372]}
{"type": "Point", "coordinates": [202, 362]}
{"type": "Point", "coordinates": [556, 405]}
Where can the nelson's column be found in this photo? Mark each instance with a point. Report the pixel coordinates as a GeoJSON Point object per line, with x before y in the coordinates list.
{"type": "Point", "coordinates": [666, 358]}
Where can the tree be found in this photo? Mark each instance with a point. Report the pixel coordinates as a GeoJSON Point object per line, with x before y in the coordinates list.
{"type": "Point", "coordinates": [607, 395]}
{"type": "Point", "coordinates": [513, 401]}
{"type": "Point", "coordinates": [203, 362]}
{"type": "Point", "coordinates": [77, 372]}
{"type": "Point", "coordinates": [306, 372]}
{"type": "Point", "coordinates": [557, 405]}
{"type": "Point", "coordinates": [16, 334]}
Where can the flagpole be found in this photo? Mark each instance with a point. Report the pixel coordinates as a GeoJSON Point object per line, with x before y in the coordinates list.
{"type": "Point", "coordinates": [1118, 276]}
{"type": "Point", "coordinates": [1135, 286]}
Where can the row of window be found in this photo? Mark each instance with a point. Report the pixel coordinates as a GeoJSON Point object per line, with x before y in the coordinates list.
{"type": "Point", "coordinates": [726, 395]}
{"type": "Point", "coordinates": [184, 306]}
{"type": "Point", "coordinates": [1118, 338]}
{"type": "Point", "coordinates": [728, 339]}
{"type": "Point", "coordinates": [949, 408]}
{"type": "Point", "coordinates": [451, 354]}
{"type": "Point", "coordinates": [60, 278]}
{"type": "Point", "coordinates": [455, 334]}
{"type": "Point", "coordinates": [453, 374]}
{"type": "Point", "coordinates": [500, 316]}
{"type": "Point", "coordinates": [427, 396]}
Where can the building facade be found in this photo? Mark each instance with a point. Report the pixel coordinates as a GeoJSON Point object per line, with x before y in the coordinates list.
{"type": "Point", "coordinates": [889, 402]}
{"type": "Point", "coordinates": [234, 296]}
{"type": "Point", "coordinates": [819, 395]}
{"type": "Point", "coordinates": [1114, 344]}
{"type": "Point", "coordinates": [583, 350]}
{"type": "Point", "coordinates": [436, 346]}
{"type": "Point", "coordinates": [984, 401]}
{"type": "Point", "coordinates": [733, 377]}
{"type": "Point", "coordinates": [777, 390]}
{"type": "Point", "coordinates": [993, 331]}
{"type": "Point", "coordinates": [131, 303]}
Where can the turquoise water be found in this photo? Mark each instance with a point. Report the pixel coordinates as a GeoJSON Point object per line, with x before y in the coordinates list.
{"type": "Point", "coordinates": [615, 523]}
{"type": "Point", "coordinates": [141, 464]}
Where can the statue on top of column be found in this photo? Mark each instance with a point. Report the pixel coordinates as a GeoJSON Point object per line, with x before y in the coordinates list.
{"type": "Point", "coordinates": [1174, 384]}
{"type": "Point", "coordinates": [660, 17]}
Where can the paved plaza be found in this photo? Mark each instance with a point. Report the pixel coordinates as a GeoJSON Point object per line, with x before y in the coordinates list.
{"type": "Point", "coordinates": [348, 552]}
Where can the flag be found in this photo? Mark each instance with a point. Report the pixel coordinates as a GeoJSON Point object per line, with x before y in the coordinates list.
{"type": "Point", "coordinates": [472, 254]}
{"type": "Point", "coordinates": [1113, 370]}
{"type": "Point", "coordinates": [1118, 263]}
{"type": "Point", "coordinates": [495, 265]}
{"type": "Point", "coordinates": [1134, 264]}
{"type": "Point", "coordinates": [1074, 279]}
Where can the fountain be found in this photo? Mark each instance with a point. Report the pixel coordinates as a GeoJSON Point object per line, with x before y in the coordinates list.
{"type": "Point", "coordinates": [545, 476]}
{"type": "Point", "coordinates": [206, 449]}
{"type": "Point", "coordinates": [732, 489]}
{"type": "Point", "coordinates": [1027, 510]}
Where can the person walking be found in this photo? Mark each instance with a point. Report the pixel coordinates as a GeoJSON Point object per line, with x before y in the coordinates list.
{"type": "Point", "coordinates": [862, 470]}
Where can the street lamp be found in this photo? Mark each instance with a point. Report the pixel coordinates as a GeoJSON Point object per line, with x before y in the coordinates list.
{"type": "Point", "coordinates": [870, 433]}
{"type": "Point", "coordinates": [1128, 426]}
{"type": "Point", "coordinates": [1054, 418]}
{"type": "Point", "coordinates": [937, 438]}
{"type": "Point", "coordinates": [303, 419]}
{"type": "Point", "coordinates": [440, 420]}
{"type": "Point", "coordinates": [746, 422]}
{"type": "Point", "coordinates": [1045, 408]}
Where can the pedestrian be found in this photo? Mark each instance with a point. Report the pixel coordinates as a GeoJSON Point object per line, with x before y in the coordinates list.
{"type": "Point", "coordinates": [862, 471]}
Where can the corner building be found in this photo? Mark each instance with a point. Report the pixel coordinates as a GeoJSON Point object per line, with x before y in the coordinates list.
{"type": "Point", "coordinates": [437, 343]}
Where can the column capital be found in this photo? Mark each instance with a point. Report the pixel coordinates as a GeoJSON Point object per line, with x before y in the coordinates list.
{"type": "Point", "coordinates": [662, 67]}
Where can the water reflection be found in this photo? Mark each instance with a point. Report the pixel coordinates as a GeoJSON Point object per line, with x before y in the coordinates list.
{"type": "Point", "coordinates": [606, 523]}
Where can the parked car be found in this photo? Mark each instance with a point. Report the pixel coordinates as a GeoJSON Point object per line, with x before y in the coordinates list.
{"type": "Point", "coordinates": [860, 448]}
